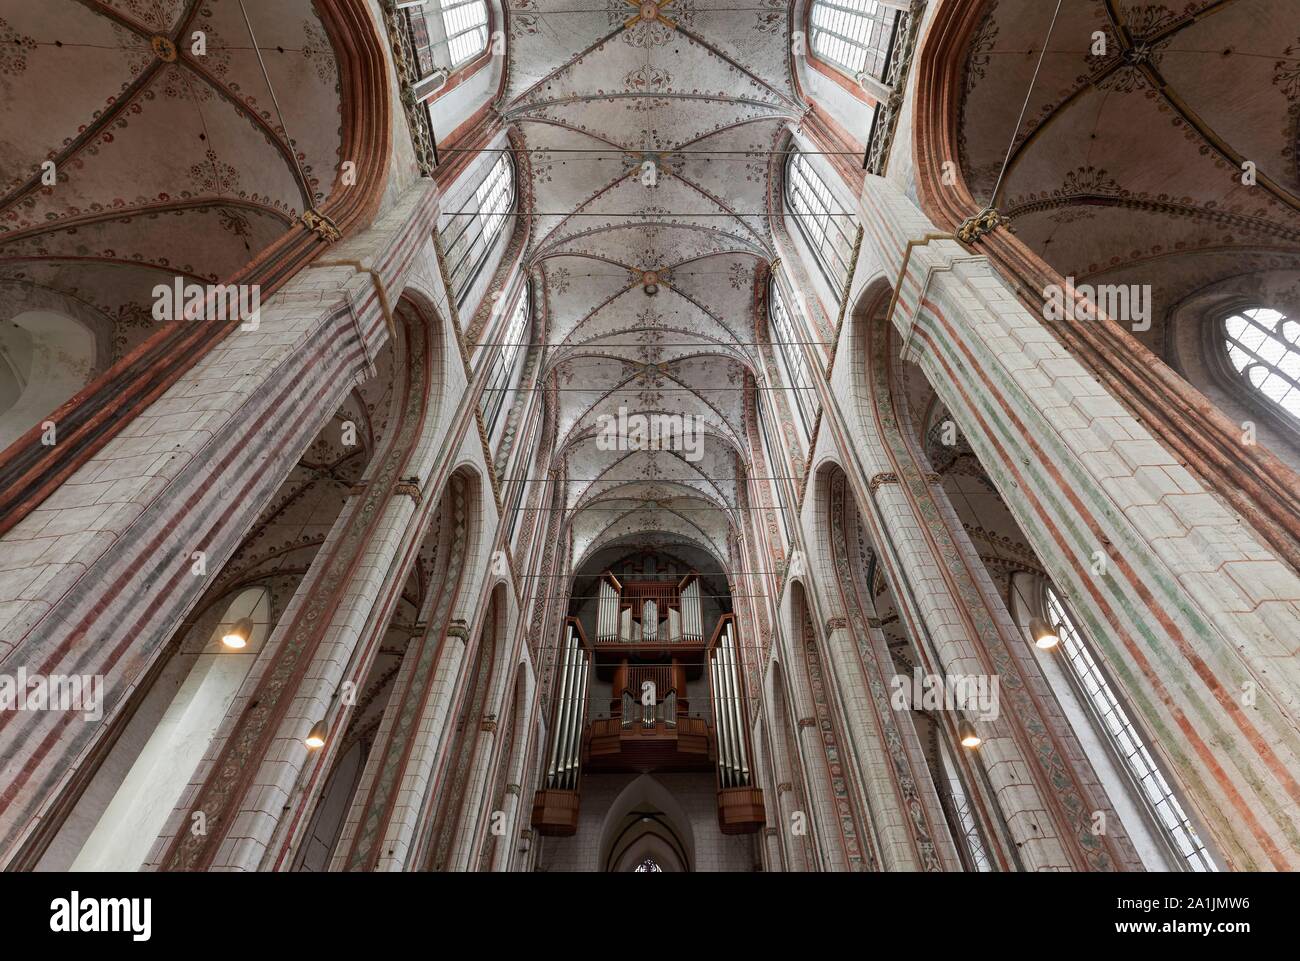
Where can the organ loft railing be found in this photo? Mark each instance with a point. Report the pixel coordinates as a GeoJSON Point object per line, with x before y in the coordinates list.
{"type": "Point", "coordinates": [660, 698]}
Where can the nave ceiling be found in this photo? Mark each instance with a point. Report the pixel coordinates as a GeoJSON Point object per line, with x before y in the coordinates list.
{"type": "Point", "coordinates": [706, 98]}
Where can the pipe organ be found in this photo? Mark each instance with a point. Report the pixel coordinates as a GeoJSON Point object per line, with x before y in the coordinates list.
{"type": "Point", "coordinates": [555, 808]}
{"type": "Point", "coordinates": [650, 664]}
{"type": "Point", "coordinates": [740, 804]}
{"type": "Point", "coordinates": [648, 611]}
{"type": "Point", "coordinates": [733, 757]}
{"type": "Point", "coordinates": [570, 713]}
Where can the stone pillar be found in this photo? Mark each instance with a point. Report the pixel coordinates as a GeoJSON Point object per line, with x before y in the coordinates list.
{"type": "Point", "coordinates": [905, 813]}
{"type": "Point", "coordinates": [937, 615]}
{"type": "Point", "coordinates": [1194, 615]}
{"type": "Point", "coordinates": [112, 552]}
{"type": "Point", "coordinates": [518, 772]}
{"type": "Point", "coordinates": [246, 784]}
{"type": "Point", "coordinates": [1033, 771]}
{"type": "Point", "coordinates": [380, 831]}
{"type": "Point", "coordinates": [503, 852]}
{"type": "Point", "coordinates": [476, 813]}
{"type": "Point", "coordinates": [836, 809]}
{"type": "Point", "coordinates": [787, 782]}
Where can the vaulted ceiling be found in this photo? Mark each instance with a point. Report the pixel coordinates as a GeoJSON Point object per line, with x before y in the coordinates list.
{"type": "Point", "coordinates": [1128, 165]}
{"type": "Point", "coordinates": [170, 160]}
{"type": "Point", "coordinates": [703, 90]}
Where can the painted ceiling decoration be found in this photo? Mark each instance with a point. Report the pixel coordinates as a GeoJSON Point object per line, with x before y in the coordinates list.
{"type": "Point", "coordinates": [650, 285]}
{"type": "Point", "coordinates": [1128, 168]}
{"type": "Point", "coordinates": [216, 171]}
{"type": "Point", "coordinates": [233, 150]}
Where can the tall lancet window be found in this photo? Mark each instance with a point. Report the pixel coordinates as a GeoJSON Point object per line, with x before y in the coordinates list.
{"type": "Point", "coordinates": [510, 341]}
{"type": "Point", "coordinates": [1126, 739]}
{"type": "Point", "coordinates": [465, 22]}
{"type": "Point", "coordinates": [446, 34]}
{"type": "Point", "coordinates": [776, 461]}
{"type": "Point", "coordinates": [855, 35]}
{"type": "Point", "coordinates": [470, 232]}
{"type": "Point", "coordinates": [821, 221]}
{"type": "Point", "coordinates": [790, 347]}
{"type": "Point", "coordinates": [1264, 348]}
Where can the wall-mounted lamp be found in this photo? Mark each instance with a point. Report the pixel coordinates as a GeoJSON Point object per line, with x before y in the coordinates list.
{"type": "Point", "coordinates": [315, 738]}
{"type": "Point", "coordinates": [1044, 635]}
{"type": "Point", "coordinates": [238, 635]}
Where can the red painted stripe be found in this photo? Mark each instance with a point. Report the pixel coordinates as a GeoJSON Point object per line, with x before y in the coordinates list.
{"type": "Point", "coordinates": [1045, 518]}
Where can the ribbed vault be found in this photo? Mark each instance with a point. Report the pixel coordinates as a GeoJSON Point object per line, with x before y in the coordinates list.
{"type": "Point", "coordinates": [702, 91]}
{"type": "Point", "coordinates": [169, 159]}
{"type": "Point", "coordinates": [1129, 165]}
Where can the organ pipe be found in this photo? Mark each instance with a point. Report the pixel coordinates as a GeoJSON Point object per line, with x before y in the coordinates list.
{"type": "Point", "coordinates": [724, 676]}
{"type": "Point", "coordinates": [566, 751]}
{"type": "Point", "coordinates": [576, 718]}
{"type": "Point", "coordinates": [562, 708]}
{"type": "Point", "coordinates": [607, 612]}
{"type": "Point", "coordinates": [566, 724]}
{"type": "Point", "coordinates": [556, 733]}
{"type": "Point", "coordinates": [733, 728]}
{"type": "Point", "coordinates": [572, 739]}
{"type": "Point", "coordinates": [692, 624]}
{"type": "Point", "coordinates": [649, 621]}
{"type": "Point", "coordinates": [733, 671]}
{"type": "Point", "coordinates": [719, 721]}
{"type": "Point", "coordinates": [724, 709]}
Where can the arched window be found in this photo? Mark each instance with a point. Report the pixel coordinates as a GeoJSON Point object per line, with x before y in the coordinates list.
{"type": "Point", "coordinates": [966, 825]}
{"type": "Point", "coordinates": [855, 35]}
{"type": "Point", "coordinates": [790, 347]}
{"type": "Point", "coordinates": [647, 865]}
{"type": "Point", "coordinates": [821, 221]}
{"type": "Point", "coordinates": [46, 356]}
{"type": "Point", "coordinates": [511, 341]}
{"type": "Point", "coordinates": [208, 675]}
{"type": "Point", "coordinates": [1125, 738]}
{"type": "Point", "coordinates": [1264, 348]}
{"type": "Point", "coordinates": [471, 231]}
{"type": "Point", "coordinates": [465, 22]}
{"type": "Point", "coordinates": [446, 34]}
{"type": "Point", "coordinates": [776, 461]}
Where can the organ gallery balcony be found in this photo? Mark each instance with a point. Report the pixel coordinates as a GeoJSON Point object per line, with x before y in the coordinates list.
{"type": "Point", "coordinates": [672, 706]}
{"type": "Point", "coordinates": [649, 726]}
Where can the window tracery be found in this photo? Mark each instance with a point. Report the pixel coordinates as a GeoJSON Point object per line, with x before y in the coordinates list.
{"type": "Point", "coordinates": [1263, 346]}
{"type": "Point", "coordinates": [1125, 738]}
{"type": "Point", "coordinates": [470, 232]}
{"type": "Point", "coordinates": [824, 225]}
{"type": "Point", "coordinates": [856, 36]}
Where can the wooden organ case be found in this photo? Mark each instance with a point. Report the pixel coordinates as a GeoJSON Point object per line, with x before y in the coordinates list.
{"type": "Point", "coordinates": [675, 701]}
